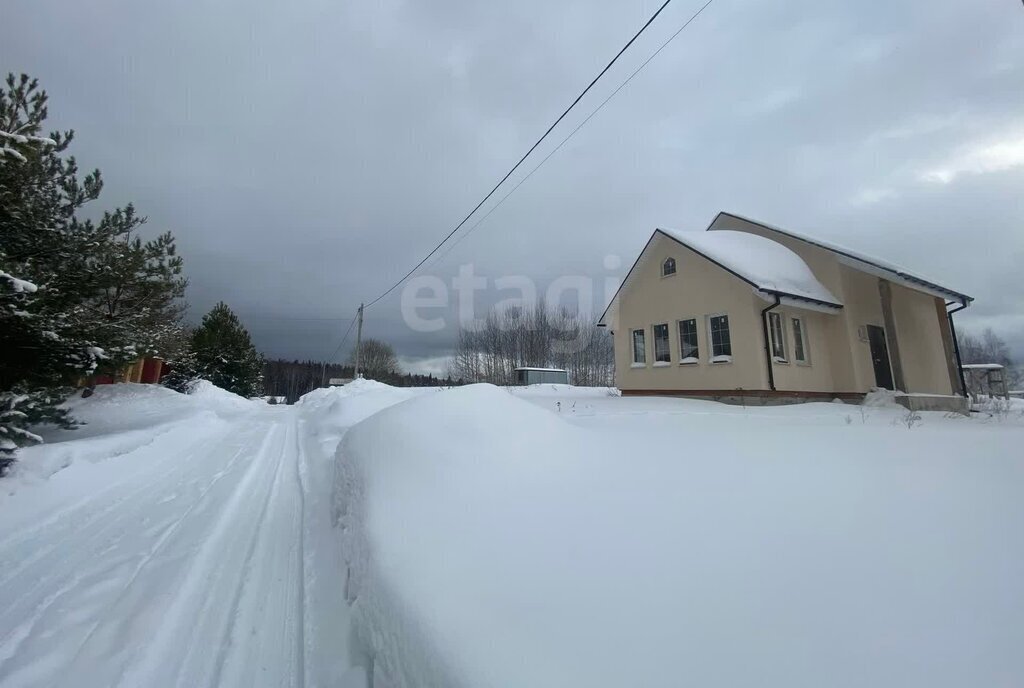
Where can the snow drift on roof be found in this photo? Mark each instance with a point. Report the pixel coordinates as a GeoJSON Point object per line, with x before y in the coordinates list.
{"type": "Point", "coordinates": [767, 264]}
{"type": "Point", "coordinates": [886, 265]}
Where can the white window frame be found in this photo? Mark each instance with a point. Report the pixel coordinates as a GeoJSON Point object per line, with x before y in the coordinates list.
{"type": "Point", "coordinates": [632, 346]}
{"type": "Point", "coordinates": [680, 337]}
{"type": "Point", "coordinates": [675, 266]}
{"type": "Point", "coordinates": [778, 346]}
{"type": "Point", "coordinates": [711, 342]}
{"type": "Point", "coordinates": [804, 344]}
{"type": "Point", "coordinates": [654, 345]}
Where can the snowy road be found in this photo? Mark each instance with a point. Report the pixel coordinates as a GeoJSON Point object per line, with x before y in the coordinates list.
{"type": "Point", "coordinates": [195, 565]}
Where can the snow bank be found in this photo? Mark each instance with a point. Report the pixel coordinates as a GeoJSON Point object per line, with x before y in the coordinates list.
{"type": "Point", "coordinates": [118, 419]}
{"type": "Point", "coordinates": [215, 398]}
{"type": "Point", "coordinates": [880, 398]}
{"type": "Point", "coordinates": [550, 390]}
{"type": "Point", "coordinates": [130, 406]}
{"type": "Point", "coordinates": [341, 407]}
{"type": "Point", "coordinates": [121, 407]}
{"type": "Point", "coordinates": [490, 542]}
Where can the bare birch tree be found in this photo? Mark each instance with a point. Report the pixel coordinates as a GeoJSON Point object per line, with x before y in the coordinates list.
{"type": "Point", "coordinates": [541, 336]}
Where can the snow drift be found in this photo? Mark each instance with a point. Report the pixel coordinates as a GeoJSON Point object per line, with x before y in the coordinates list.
{"type": "Point", "coordinates": [491, 542]}
{"type": "Point", "coordinates": [341, 407]}
{"type": "Point", "coordinates": [119, 419]}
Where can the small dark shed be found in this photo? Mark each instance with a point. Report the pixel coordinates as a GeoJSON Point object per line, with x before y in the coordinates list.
{"type": "Point", "coordinates": [537, 376]}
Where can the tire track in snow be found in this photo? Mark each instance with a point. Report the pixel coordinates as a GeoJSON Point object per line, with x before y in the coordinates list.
{"type": "Point", "coordinates": [262, 645]}
{"type": "Point", "coordinates": [70, 522]}
{"type": "Point", "coordinates": [215, 566]}
{"type": "Point", "coordinates": [158, 546]}
{"type": "Point", "coordinates": [49, 575]}
{"type": "Point", "coordinates": [84, 565]}
{"type": "Point", "coordinates": [225, 640]}
{"type": "Point", "coordinates": [198, 620]}
{"type": "Point", "coordinates": [304, 572]}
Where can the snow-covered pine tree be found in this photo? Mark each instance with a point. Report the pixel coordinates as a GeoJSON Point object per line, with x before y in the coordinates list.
{"type": "Point", "coordinates": [40, 267]}
{"type": "Point", "coordinates": [179, 360]}
{"type": "Point", "coordinates": [225, 355]}
{"type": "Point", "coordinates": [70, 289]}
{"type": "Point", "coordinates": [136, 304]}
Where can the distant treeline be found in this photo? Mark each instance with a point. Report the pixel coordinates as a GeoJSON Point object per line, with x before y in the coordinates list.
{"type": "Point", "coordinates": [292, 379]}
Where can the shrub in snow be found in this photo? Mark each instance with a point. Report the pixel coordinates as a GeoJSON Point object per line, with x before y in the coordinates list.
{"type": "Point", "coordinates": [995, 407]}
{"type": "Point", "coordinates": [910, 418]}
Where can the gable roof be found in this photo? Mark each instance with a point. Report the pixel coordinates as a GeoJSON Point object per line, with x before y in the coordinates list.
{"type": "Point", "coordinates": [859, 261]}
{"type": "Point", "coordinates": [769, 267]}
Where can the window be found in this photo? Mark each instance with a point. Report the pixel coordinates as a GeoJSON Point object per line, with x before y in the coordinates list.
{"type": "Point", "coordinates": [688, 352]}
{"type": "Point", "coordinates": [721, 346]}
{"type": "Point", "coordinates": [799, 343]}
{"type": "Point", "coordinates": [778, 338]}
{"type": "Point", "coordinates": [639, 348]}
{"type": "Point", "coordinates": [668, 267]}
{"type": "Point", "coordinates": [662, 352]}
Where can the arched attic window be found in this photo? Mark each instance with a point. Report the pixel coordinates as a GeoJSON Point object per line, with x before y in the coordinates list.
{"type": "Point", "coordinates": [668, 267]}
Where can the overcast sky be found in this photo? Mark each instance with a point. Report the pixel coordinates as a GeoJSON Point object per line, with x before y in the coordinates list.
{"type": "Point", "coordinates": [306, 154]}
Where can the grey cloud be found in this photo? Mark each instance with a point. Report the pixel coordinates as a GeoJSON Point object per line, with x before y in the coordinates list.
{"type": "Point", "coordinates": [306, 154]}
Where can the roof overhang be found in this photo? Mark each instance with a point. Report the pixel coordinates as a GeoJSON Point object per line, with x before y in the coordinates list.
{"type": "Point", "coordinates": [862, 263]}
{"type": "Point", "coordinates": [800, 302]}
{"type": "Point", "coordinates": [902, 278]}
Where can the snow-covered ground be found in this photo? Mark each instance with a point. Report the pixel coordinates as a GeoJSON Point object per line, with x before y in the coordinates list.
{"type": "Point", "coordinates": [546, 536]}
{"type": "Point", "coordinates": [560, 537]}
{"type": "Point", "coordinates": [174, 541]}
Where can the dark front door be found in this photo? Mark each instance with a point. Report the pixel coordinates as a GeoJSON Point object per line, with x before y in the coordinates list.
{"type": "Point", "coordinates": [880, 356]}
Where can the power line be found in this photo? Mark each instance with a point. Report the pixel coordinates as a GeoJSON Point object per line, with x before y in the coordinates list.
{"type": "Point", "coordinates": [335, 354]}
{"type": "Point", "coordinates": [526, 155]}
{"type": "Point", "coordinates": [572, 133]}
{"type": "Point", "coordinates": [344, 339]}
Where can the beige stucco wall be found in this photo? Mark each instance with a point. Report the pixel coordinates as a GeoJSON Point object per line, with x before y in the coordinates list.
{"type": "Point", "coordinates": [816, 374]}
{"type": "Point", "coordinates": [862, 305]}
{"type": "Point", "coordinates": [921, 351]}
{"type": "Point", "coordinates": [698, 289]}
{"type": "Point", "coordinates": [918, 325]}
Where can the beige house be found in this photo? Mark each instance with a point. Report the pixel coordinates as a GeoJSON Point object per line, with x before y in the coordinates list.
{"type": "Point", "coordinates": [746, 311]}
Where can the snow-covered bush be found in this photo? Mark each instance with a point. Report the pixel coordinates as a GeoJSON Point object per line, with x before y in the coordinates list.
{"type": "Point", "coordinates": [21, 410]}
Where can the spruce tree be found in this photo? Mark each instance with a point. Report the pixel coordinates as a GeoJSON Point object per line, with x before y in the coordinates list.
{"type": "Point", "coordinates": [224, 353]}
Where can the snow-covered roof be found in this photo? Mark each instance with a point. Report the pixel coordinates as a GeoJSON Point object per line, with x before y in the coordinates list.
{"type": "Point", "coordinates": [767, 265]}
{"type": "Point", "coordinates": [860, 260]}
{"type": "Point", "coordinates": [543, 370]}
{"type": "Point", "coordinates": [982, 366]}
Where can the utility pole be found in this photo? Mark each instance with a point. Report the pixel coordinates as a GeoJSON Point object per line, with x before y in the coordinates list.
{"type": "Point", "coordinates": [359, 337]}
